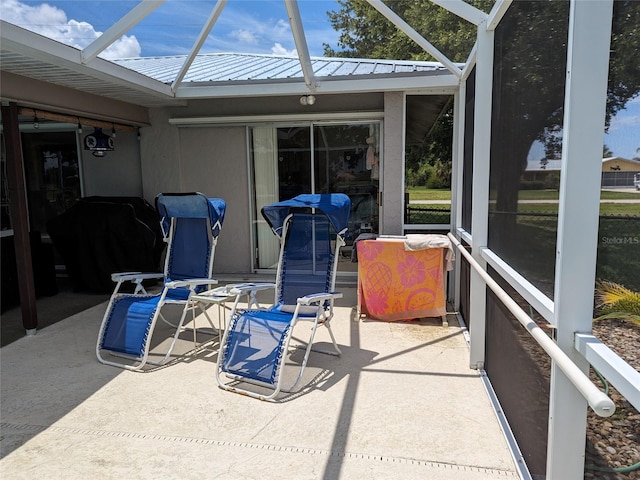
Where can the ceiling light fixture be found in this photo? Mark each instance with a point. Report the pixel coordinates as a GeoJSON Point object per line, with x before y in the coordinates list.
{"type": "Point", "coordinates": [307, 100]}
{"type": "Point", "coordinates": [113, 131]}
{"type": "Point", "coordinates": [36, 122]}
{"type": "Point", "coordinates": [79, 126]}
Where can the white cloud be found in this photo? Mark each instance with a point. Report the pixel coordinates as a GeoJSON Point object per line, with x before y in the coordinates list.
{"type": "Point", "coordinates": [244, 36]}
{"type": "Point", "coordinates": [281, 29]}
{"type": "Point", "coordinates": [278, 49]}
{"type": "Point", "coordinates": [257, 28]}
{"type": "Point", "coordinates": [53, 23]}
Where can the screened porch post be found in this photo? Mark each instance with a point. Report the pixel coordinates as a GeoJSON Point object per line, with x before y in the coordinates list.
{"type": "Point", "coordinates": [457, 168]}
{"type": "Point", "coordinates": [19, 216]}
{"type": "Point", "coordinates": [480, 196]}
{"type": "Point", "coordinates": [578, 215]}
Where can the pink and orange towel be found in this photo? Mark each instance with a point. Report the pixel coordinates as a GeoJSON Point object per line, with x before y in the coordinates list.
{"type": "Point", "coordinates": [399, 284]}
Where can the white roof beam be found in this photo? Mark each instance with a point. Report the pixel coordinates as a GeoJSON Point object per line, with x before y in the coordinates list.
{"type": "Point", "coordinates": [119, 28]}
{"type": "Point", "coordinates": [415, 36]}
{"type": "Point", "coordinates": [301, 43]}
{"type": "Point", "coordinates": [470, 63]}
{"type": "Point", "coordinates": [463, 10]}
{"type": "Point", "coordinates": [497, 12]}
{"type": "Point", "coordinates": [204, 33]}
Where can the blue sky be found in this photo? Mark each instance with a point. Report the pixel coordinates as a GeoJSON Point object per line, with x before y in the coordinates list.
{"type": "Point", "coordinates": [247, 26]}
{"type": "Point", "coordinates": [623, 137]}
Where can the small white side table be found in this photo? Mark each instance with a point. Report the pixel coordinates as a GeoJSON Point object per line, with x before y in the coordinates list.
{"type": "Point", "coordinates": [217, 296]}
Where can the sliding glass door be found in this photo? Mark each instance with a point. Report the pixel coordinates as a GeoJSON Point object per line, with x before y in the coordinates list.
{"type": "Point", "coordinates": [315, 158]}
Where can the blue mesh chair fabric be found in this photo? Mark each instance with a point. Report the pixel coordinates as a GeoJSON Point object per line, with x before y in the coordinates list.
{"type": "Point", "coordinates": [256, 341]}
{"type": "Point", "coordinates": [190, 224]}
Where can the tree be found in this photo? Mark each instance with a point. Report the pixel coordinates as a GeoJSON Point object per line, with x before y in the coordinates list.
{"type": "Point", "coordinates": [365, 33]}
{"type": "Point", "coordinates": [529, 80]}
{"type": "Point", "coordinates": [529, 69]}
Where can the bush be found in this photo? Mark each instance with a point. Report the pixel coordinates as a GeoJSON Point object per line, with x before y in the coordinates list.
{"type": "Point", "coordinates": [552, 181]}
{"type": "Point", "coordinates": [532, 185]}
{"type": "Point", "coordinates": [435, 183]}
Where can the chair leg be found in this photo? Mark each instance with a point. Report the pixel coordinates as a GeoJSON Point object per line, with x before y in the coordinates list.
{"type": "Point", "coordinates": [333, 340]}
{"type": "Point", "coordinates": [179, 328]}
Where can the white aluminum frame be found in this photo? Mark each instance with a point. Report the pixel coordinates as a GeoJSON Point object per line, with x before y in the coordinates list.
{"type": "Point", "coordinates": [480, 194]}
{"type": "Point", "coordinates": [587, 72]}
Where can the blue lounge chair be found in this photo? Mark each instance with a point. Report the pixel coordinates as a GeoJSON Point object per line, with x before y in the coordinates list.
{"type": "Point", "coordinates": [311, 230]}
{"type": "Point", "coordinates": [190, 224]}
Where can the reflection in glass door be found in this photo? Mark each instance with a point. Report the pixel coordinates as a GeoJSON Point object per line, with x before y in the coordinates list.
{"type": "Point", "coordinates": [317, 158]}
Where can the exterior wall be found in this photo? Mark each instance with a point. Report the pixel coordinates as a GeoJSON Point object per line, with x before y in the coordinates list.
{"type": "Point", "coordinates": [160, 156]}
{"type": "Point", "coordinates": [210, 160]}
{"type": "Point", "coordinates": [29, 92]}
{"type": "Point", "coordinates": [213, 160]}
{"type": "Point", "coordinates": [116, 174]}
{"type": "Point", "coordinates": [393, 164]}
{"type": "Point", "coordinates": [356, 102]}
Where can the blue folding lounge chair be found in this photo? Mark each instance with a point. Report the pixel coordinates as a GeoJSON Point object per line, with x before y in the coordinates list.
{"type": "Point", "coordinates": [256, 341]}
{"type": "Point", "coordinates": [190, 224]}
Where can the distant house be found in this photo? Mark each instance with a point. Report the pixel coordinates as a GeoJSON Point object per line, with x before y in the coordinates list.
{"type": "Point", "coordinates": [537, 171]}
{"type": "Point", "coordinates": [619, 164]}
{"type": "Point", "coordinates": [619, 172]}
{"type": "Point", "coordinates": [616, 171]}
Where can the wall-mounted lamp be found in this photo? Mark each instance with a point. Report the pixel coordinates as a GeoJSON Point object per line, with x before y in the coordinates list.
{"type": "Point", "coordinates": [36, 122]}
{"type": "Point", "coordinates": [113, 131]}
{"type": "Point", "coordinates": [98, 143]}
{"type": "Point", "coordinates": [79, 126]}
{"type": "Point", "coordinates": [307, 100]}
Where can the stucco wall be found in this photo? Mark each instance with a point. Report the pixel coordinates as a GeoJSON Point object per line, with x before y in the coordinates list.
{"type": "Point", "coordinates": [210, 160]}
{"type": "Point", "coordinates": [214, 162]}
{"type": "Point", "coordinates": [356, 102]}
{"type": "Point", "coordinates": [116, 174]}
{"type": "Point", "coordinates": [393, 173]}
{"type": "Point", "coordinates": [160, 153]}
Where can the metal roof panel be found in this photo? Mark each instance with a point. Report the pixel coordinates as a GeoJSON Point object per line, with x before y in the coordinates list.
{"type": "Point", "coordinates": [220, 67]}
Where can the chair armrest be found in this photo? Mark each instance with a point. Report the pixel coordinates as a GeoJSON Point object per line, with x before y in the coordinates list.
{"type": "Point", "coordinates": [130, 276]}
{"type": "Point", "coordinates": [318, 297]}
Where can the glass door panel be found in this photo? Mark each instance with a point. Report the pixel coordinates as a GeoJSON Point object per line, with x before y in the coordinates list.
{"type": "Point", "coordinates": [347, 160]}
{"type": "Point", "coordinates": [294, 161]}
{"type": "Point", "coordinates": [319, 158]}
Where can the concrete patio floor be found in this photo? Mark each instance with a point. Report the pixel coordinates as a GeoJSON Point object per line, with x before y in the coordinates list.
{"type": "Point", "coordinates": [400, 403]}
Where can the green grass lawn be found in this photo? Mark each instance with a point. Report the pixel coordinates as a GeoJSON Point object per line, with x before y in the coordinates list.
{"type": "Point", "coordinates": [422, 193]}
{"type": "Point", "coordinates": [532, 248]}
{"type": "Point", "coordinates": [632, 209]}
{"type": "Point", "coordinates": [554, 195]}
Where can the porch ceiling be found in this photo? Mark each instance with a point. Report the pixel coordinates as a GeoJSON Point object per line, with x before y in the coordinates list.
{"type": "Point", "coordinates": [31, 55]}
